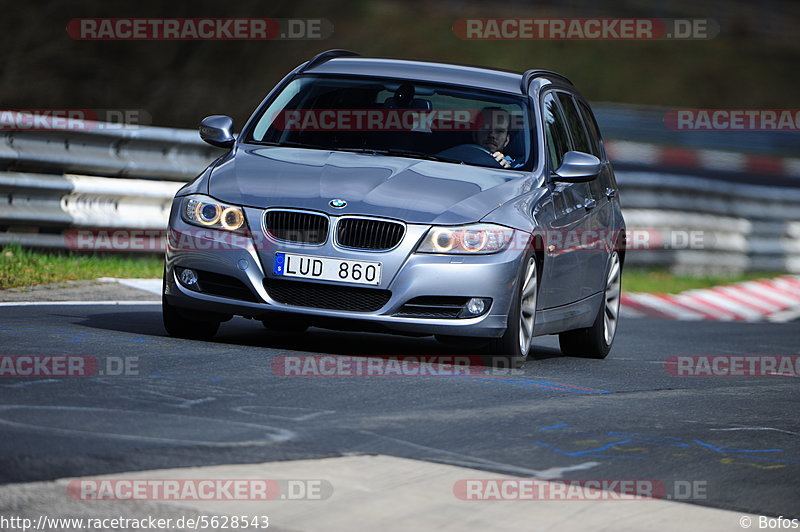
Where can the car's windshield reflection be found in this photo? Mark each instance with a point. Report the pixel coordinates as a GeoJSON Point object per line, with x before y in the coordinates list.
{"type": "Point", "coordinates": [401, 119]}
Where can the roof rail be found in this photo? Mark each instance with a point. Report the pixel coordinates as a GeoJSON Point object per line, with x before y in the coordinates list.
{"type": "Point", "coordinates": [528, 76]}
{"type": "Point", "coordinates": [326, 55]}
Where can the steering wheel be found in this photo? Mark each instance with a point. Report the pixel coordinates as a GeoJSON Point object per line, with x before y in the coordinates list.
{"type": "Point", "coordinates": [471, 153]}
{"type": "Point", "coordinates": [479, 148]}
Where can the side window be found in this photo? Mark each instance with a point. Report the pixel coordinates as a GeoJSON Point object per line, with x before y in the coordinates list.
{"type": "Point", "coordinates": [595, 140]}
{"type": "Point", "coordinates": [599, 185]}
{"type": "Point", "coordinates": [555, 131]}
{"type": "Point", "coordinates": [575, 123]}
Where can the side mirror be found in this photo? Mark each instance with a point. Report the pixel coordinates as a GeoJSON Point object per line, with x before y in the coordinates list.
{"type": "Point", "coordinates": [216, 130]}
{"type": "Point", "coordinates": [578, 167]}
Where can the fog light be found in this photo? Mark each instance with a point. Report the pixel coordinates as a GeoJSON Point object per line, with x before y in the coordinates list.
{"type": "Point", "coordinates": [474, 307]}
{"type": "Point", "coordinates": [188, 277]}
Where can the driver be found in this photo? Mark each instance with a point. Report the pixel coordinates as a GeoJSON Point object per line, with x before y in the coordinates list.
{"type": "Point", "coordinates": [493, 133]}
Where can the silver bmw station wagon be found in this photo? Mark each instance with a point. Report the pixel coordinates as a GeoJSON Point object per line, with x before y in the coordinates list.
{"type": "Point", "coordinates": [421, 198]}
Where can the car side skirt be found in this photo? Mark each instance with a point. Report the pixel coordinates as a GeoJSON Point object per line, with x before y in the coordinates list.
{"type": "Point", "coordinates": [577, 315]}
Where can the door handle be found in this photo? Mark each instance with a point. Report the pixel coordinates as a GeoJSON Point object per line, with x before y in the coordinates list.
{"type": "Point", "coordinates": [611, 192]}
{"type": "Point", "coordinates": [589, 204]}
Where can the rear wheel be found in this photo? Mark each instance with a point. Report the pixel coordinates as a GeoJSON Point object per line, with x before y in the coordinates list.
{"type": "Point", "coordinates": [512, 348]}
{"type": "Point", "coordinates": [595, 341]}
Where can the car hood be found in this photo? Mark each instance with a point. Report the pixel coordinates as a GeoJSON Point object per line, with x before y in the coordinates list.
{"type": "Point", "coordinates": [413, 190]}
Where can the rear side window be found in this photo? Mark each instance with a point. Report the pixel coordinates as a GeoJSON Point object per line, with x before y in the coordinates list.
{"type": "Point", "coordinates": [555, 131]}
{"type": "Point", "coordinates": [579, 137]}
{"type": "Point", "coordinates": [595, 140]}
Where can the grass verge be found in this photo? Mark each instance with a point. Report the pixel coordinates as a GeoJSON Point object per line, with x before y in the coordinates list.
{"type": "Point", "coordinates": [662, 281]}
{"type": "Point", "coordinates": [23, 267]}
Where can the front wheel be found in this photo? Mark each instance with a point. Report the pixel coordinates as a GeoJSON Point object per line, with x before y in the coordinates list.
{"type": "Point", "coordinates": [595, 341]}
{"type": "Point", "coordinates": [203, 327]}
{"type": "Point", "coordinates": [180, 327]}
{"type": "Point", "coordinates": [515, 343]}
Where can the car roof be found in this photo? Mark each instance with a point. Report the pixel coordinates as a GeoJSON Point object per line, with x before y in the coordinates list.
{"type": "Point", "coordinates": [480, 77]}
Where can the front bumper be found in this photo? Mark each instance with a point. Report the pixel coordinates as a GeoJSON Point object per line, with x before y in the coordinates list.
{"type": "Point", "coordinates": [407, 275]}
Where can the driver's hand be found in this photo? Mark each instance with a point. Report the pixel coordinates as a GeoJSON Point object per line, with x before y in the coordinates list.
{"type": "Point", "coordinates": [500, 158]}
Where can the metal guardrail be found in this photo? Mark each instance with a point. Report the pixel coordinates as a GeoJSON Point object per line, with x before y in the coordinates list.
{"type": "Point", "coordinates": [645, 123]}
{"type": "Point", "coordinates": [107, 150]}
{"type": "Point", "coordinates": [53, 181]}
{"type": "Point", "coordinates": [739, 227]}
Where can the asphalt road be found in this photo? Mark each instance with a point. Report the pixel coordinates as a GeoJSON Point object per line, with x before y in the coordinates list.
{"type": "Point", "coordinates": [735, 440]}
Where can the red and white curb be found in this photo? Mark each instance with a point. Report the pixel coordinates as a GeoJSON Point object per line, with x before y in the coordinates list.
{"type": "Point", "coordinates": [774, 300]}
{"type": "Point", "coordinates": [624, 151]}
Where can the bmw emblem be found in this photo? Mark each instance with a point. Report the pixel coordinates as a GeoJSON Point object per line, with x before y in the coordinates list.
{"type": "Point", "coordinates": [337, 203]}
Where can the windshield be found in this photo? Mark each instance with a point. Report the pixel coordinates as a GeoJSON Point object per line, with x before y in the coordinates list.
{"type": "Point", "coordinates": [401, 118]}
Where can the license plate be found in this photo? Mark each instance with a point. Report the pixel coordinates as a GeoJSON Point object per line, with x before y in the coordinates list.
{"type": "Point", "coordinates": [327, 269]}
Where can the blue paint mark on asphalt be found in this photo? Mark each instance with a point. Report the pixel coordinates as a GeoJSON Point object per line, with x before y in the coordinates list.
{"type": "Point", "coordinates": [552, 427]}
{"type": "Point", "coordinates": [554, 386]}
{"type": "Point", "coordinates": [654, 439]}
{"type": "Point", "coordinates": [725, 450]}
{"type": "Point", "coordinates": [592, 451]}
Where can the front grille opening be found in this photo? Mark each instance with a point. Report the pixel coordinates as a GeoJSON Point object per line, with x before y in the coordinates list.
{"type": "Point", "coordinates": [363, 233]}
{"type": "Point", "coordinates": [216, 284]}
{"type": "Point", "coordinates": [298, 227]}
{"type": "Point", "coordinates": [325, 296]}
{"type": "Point", "coordinates": [437, 307]}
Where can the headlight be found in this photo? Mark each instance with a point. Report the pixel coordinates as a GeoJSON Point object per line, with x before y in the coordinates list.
{"type": "Point", "coordinates": [467, 239]}
{"type": "Point", "coordinates": [207, 212]}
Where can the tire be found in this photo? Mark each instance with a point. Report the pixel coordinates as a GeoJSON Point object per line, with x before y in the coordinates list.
{"type": "Point", "coordinates": [511, 349]}
{"type": "Point", "coordinates": [596, 341]}
{"type": "Point", "coordinates": [178, 326]}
